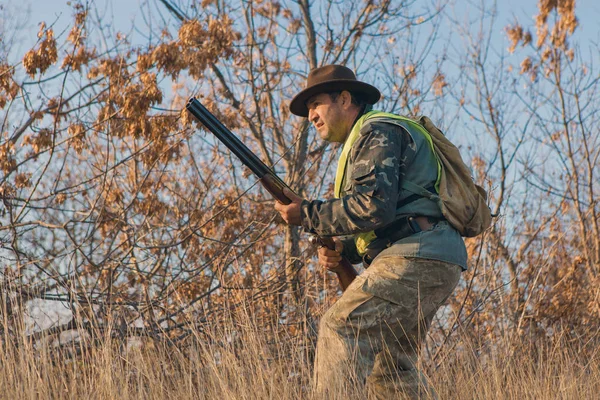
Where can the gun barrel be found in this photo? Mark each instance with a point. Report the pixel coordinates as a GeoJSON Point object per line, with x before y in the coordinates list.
{"type": "Point", "coordinates": [271, 181]}
{"type": "Point", "coordinates": [226, 137]}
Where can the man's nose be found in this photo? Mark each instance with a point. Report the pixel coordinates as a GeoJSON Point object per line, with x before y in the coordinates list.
{"type": "Point", "coordinates": [312, 115]}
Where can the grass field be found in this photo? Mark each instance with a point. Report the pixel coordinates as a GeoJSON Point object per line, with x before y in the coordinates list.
{"type": "Point", "coordinates": [243, 360]}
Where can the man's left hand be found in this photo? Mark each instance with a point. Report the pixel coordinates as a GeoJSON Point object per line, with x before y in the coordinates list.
{"type": "Point", "coordinates": [291, 212]}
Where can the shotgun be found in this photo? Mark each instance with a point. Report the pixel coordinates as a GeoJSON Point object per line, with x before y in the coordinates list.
{"type": "Point", "coordinates": [267, 177]}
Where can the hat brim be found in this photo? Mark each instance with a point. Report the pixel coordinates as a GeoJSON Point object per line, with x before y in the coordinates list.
{"type": "Point", "coordinates": [368, 93]}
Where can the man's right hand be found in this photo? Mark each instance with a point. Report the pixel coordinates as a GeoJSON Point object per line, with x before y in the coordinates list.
{"type": "Point", "coordinates": [331, 259]}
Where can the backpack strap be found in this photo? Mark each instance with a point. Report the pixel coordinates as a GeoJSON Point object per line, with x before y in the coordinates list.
{"type": "Point", "coordinates": [418, 192]}
{"type": "Point", "coordinates": [431, 195]}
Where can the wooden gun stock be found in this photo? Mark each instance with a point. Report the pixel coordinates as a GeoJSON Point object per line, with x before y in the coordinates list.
{"type": "Point", "coordinates": [345, 272]}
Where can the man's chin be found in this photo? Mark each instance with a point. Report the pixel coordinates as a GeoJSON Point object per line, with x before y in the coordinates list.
{"type": "Point", "coordinates": [330, 138]}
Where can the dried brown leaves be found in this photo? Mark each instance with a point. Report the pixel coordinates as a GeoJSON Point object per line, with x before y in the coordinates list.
{"type": "Point", "coordinates": [39, 142]}
{"type": "Point", "coordinates": [8, 87]}
{"type": "Point", "coordinates": [80, 58]}
{"type": "Point", "coordinates": [552, 40]}
{"type": "Point", "coordinates": [40, 59]}
{"type": "Point", "coordinates": [7, 162]}
{"type": "Point", "coordinates": [516, 35]}
{"type": "Point", "coordinates": [439, 83]}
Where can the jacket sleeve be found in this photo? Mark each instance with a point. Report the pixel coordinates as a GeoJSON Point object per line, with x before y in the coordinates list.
{"type": "Point", "coordinates": [374, 173]}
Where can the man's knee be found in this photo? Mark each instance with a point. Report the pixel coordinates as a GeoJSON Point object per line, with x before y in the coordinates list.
{"type": "Point", "coordinates": [329, 321]}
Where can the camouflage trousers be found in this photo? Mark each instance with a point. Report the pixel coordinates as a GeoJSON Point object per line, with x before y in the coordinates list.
{"type": "Point", "coordinates": [372, 334]}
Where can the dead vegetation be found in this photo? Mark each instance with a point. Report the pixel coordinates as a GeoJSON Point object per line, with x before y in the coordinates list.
{"type": "Point", "coordinates": [173, 274]}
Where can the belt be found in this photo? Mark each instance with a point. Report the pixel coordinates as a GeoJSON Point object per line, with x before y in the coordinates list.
{"type": "Point", "coordinates": [426, 223]}
{"type": "Point", "coordinates": [401, 228]}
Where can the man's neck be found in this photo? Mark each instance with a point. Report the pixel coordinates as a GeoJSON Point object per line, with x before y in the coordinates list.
{"type": "Point", "coordinates": [359, 113]}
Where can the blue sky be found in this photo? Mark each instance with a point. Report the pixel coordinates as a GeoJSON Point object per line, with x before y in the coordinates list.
{"type": "Point", "coordinates": [127, 13]}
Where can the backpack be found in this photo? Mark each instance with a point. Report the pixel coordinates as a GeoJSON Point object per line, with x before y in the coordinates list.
{"type": "Point", "coordinates": [462, 201]}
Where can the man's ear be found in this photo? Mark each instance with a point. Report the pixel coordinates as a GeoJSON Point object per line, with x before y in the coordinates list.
{"type": "Point", "coordinates": [346, 99]}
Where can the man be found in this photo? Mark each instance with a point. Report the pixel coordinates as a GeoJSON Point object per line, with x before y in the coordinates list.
{"type": "Point", "coordinates": [372, 334]}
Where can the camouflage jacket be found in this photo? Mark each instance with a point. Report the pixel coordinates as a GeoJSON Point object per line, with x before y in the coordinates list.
{"type": "Point", "coordinates": [386, 152]}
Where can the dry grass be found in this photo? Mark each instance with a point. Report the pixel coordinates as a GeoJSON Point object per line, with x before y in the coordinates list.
{"type": "Point", "coordinates": [246, 361]}
{"type": "Point", "coordinates": [523, 371]}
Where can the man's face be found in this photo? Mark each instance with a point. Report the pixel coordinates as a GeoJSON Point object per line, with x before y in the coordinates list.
{"type": "Point", "coordinates": [330, 117]}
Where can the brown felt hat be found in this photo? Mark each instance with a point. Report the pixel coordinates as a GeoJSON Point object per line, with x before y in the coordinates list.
{"type": "Point", "coordinates": [332, 78]}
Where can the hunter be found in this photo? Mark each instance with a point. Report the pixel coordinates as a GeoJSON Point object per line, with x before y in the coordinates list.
{"type": "Point", "coordinates": [413, 256]}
